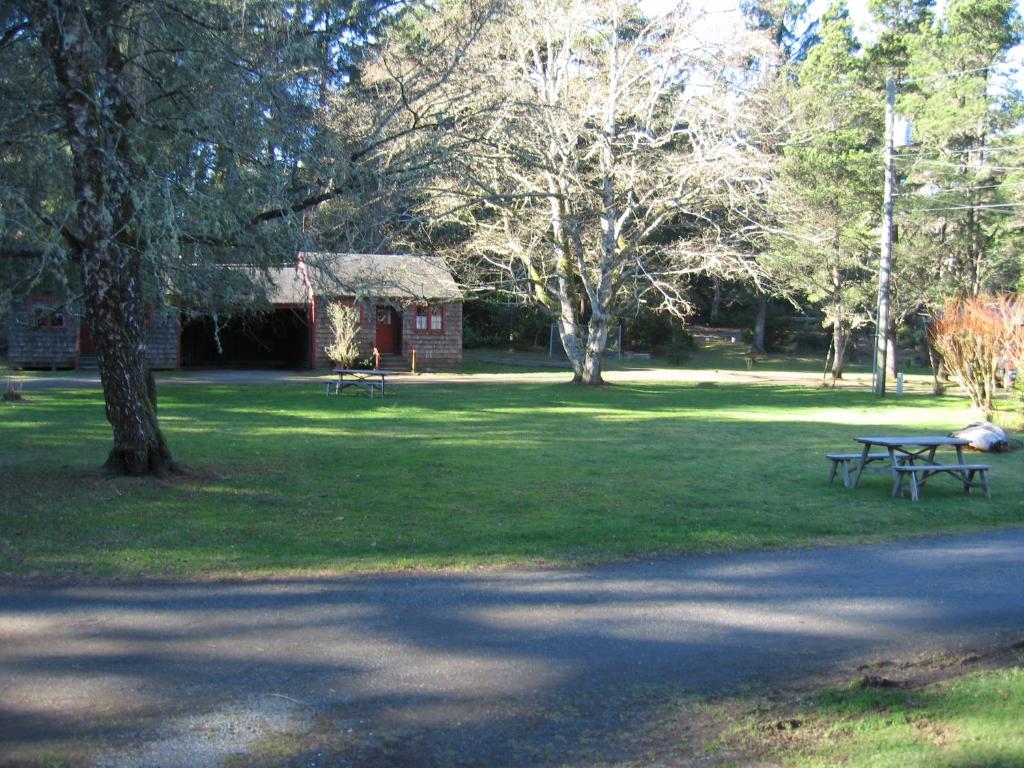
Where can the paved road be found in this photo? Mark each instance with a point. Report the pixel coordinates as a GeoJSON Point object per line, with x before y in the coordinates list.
{"type": "Point", "coordinates": [497, 668]}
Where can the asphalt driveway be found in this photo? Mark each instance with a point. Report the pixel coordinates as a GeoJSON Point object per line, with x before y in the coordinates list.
{"type": "Point", "coordinates": [537, 667]}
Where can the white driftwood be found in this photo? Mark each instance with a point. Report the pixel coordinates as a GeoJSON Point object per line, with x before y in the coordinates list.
{"type": "Point", "coordinates": [985, 436]}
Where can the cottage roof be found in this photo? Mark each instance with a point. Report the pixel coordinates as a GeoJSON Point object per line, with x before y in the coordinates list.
{"type": "Point", "coordinates": [396, 276]}
{"type": "Point", "coordinates": [285, 286]}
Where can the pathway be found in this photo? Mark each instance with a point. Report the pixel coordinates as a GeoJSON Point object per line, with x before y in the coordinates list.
{"type": "Point", "coordinates": [524, 667]}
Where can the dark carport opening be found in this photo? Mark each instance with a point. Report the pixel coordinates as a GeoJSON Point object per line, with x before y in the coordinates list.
{"type": "Point", "coordinates": [276, 339]}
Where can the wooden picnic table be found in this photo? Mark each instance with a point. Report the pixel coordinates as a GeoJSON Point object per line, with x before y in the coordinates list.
{"type": "Point", "coordinates": [365, 379]}
{"type": "Point", "coordinates": [910, 450]}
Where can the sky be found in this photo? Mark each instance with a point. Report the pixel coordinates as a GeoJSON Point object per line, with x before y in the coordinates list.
{"type": "Point", "coordinates": [725, 14]}
{"type": "Point", "coordinates": [723, 18]}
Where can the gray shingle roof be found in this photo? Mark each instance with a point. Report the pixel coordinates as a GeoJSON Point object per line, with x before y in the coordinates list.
{"type": "Point", "coordinates": [286, 286]}
{"type": "Point", "coordinates": [401, 277]}
{"type": "Point", "coordinates": [397, 276]}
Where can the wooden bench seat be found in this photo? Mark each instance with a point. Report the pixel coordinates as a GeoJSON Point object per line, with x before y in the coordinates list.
{"type": "Point", "coordinates": [918, 473]}
{"type": "Point", "coordinates": [842, 461]}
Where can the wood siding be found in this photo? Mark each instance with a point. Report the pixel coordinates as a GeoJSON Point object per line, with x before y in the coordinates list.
{"type": "Point", "coordinates": [32, 346]}
{"type": "Point", "coordinates": [433, 348]}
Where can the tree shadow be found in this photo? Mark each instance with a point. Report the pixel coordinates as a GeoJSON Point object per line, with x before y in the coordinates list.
{"type": "Point", "coordinates": [503, 668]}
{"type": "Point", "coordinates": [287, 478]}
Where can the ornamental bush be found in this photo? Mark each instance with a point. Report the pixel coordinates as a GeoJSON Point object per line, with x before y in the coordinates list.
{"type": "Point", "coordinates": [976, 336]}
{"type": "Point", "coordinates": [345, 325]}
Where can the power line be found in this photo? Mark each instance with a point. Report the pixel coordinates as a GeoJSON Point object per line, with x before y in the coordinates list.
{"type": "Point", "coordinates": [1000, 212]}
{"type": "Point", "coordinates": [920, 193]}
{"type": "Point", "coordinates": [938, 75]}
{"type": "Point", "coordinates": [1017, 148]}
{"type": "Point", "coordinates": [961, 165]}
{"type": "Point", "coordinates": [996, 207]}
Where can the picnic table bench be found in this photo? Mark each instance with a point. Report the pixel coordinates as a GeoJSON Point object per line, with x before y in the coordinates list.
{"type": "Point", "coordinates": [965, 473]}
{"type": "Point", "coordinates": [841, 463]}
{"type": "Point", "coordinates": [367, 380]}
{"type": "Point", "coordinates": [913, 457]}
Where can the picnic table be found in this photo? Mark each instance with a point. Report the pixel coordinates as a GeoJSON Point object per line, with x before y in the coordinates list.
{"type": "Point", "coordinates": [913, 458]}
{"type": "Point", "coordinates": [367, 380]}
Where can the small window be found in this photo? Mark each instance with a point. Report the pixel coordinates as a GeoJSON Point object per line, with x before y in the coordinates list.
{"type": "Point", "coordinates": [429, 319]}
{"type": "Point", "coordinates": [46, 315]}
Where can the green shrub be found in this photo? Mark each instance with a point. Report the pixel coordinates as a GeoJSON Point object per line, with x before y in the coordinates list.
{"type": "Point", "coordinates": [681, 346]}
{"type": "Point", "coordinates": [647, 330]}
{"type": "Point", "coordinates": [493, 323]}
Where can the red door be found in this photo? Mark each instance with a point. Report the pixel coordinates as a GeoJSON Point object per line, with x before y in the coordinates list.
{"type": "Point", "coordinates": [387, 330]}
{"type": "Point", "coordinates": [85, 345]}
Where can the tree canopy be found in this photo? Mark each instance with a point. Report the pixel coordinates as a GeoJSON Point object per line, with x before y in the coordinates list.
{"type": "Point", "coordinates": [148, 143]}
{"type": "Point", "coordinates": [607, 160]}
{"type": "Point", "coordinates": [587, 156]}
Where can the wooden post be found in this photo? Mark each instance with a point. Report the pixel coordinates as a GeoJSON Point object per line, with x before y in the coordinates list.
{"type": "Point", "coordinates": [414, 360]}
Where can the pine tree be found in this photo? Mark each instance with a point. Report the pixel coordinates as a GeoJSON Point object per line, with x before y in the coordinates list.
{"type": "Point", "coordinates": [831, 177]}
{"type": "Point", "coordinates": [968, 158]}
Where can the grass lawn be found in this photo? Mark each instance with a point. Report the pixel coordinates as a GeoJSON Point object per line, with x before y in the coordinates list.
{"type": "Point", "coordinates": [286, 480]}
{"type": "Point", "coordinates": [711, 355]}
{"type": "Point", "coordinates": [972, 720]}
{"type": "Point", "coordinates": [944, 711]}
{"type": "Point", "coordinates": [963, 719]}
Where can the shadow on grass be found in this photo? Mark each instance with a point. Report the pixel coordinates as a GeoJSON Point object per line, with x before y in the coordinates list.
{"type": "Point", "coordinates": [287, 479]}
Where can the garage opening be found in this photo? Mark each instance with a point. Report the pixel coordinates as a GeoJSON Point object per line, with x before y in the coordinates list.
{"type": "Point", "coordinates": [277, 339]}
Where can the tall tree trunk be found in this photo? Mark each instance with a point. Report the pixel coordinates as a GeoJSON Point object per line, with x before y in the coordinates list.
{"type": "Point", "coordinates": [716, 300]}
{"type": "Point", "coordinates": [973, 251]}
{"type": "Point", "coordinates": [597, 339]}
{"type": "Point", "coordinates": [838, 311]}
{"type": "Point", "coordinates": [568, 332]}
{"type": "Point", "coordinates": [936, 364]}
{"type": "Point", "coordinates": [757, 346]}
{"type": "Point", "coordinates": [81, 38]}
{"type": "Point", "coordinates": [839, 349]}
{"type": "Point", "coordinates": [892, 357]}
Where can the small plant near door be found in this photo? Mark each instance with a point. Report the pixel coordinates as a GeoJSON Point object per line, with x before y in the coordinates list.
{"type": "Point", "coordinates": [345, 326]}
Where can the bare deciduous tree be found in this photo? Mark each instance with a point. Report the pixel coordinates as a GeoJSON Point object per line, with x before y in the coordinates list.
{"type": "Point", "coordinates": [607, 158]}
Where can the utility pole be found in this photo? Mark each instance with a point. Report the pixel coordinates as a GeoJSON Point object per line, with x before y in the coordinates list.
{"type": "Point", "coordinates": [885, 260]}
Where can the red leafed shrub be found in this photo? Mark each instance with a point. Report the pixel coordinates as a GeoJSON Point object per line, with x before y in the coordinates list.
{"type": "Point", "coordinates": [977, 336]}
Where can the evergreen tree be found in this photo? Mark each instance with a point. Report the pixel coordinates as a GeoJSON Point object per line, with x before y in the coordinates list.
{"type": "Point", "coordinates": [793, 34]}
{"type": "Point", "coordinates": [145, 143]}
{"type": "Point", "coordinates": [963, 172]}
{"type": "Point", "coordinates": [831, 183]}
